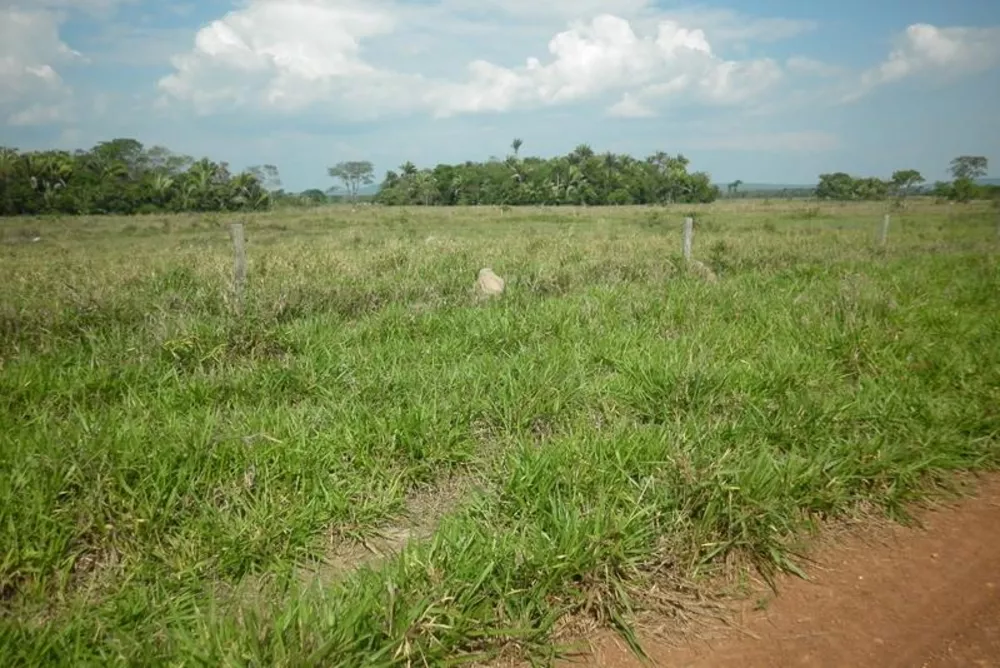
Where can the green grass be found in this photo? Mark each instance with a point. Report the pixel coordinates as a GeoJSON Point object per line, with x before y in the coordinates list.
{"type": "Point", "coordinates": [168, 467]}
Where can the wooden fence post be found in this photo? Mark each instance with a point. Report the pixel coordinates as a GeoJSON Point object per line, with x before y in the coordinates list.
{"type": "Point", "coordinates": [688, 237]}
{"type": "Point", "coordinates": [239, 263]}
{"type": "Point", "coordinates": [883, 237]}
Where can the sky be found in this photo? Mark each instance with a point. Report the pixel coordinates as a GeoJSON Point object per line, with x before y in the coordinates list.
{"type": "Point", "coordinates": [765, 91]}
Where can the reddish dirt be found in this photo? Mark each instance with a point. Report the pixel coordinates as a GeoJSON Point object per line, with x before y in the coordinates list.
{"type": "Point", "coordinates": [925, 597]}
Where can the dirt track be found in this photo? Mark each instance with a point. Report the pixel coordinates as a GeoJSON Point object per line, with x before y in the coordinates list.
{"type": "Point", "coordinates": [916, 597]}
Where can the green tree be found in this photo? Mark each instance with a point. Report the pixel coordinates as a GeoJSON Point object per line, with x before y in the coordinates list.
{"type": "Point", "coordinates": [162, 160]}
{"type": "Point", "coordinates": [870, 188]}
{"type": "Point", "coordinates": [964, 190]}
{"type": "Point", "coordinates": [267, 176]}
{"type": "Point", "coordinates": [970, 167]}
{"type": "Point", "coordinates": [10, 161]}
{"type": "Point", "coordinates": [353, 174]}
{"type": "Point", "coordinates": [313, 196]}
{"type": "Point", "coordinates": [836, 186]}
{"type": "Point", "coordinates": [905, 179]}
{"type": "Point", "coordinates": [581, 177]}
{"type": "Point", "coordinates": [965, 170]}
{"type": "Point", "coordinates": [245, 191]}
{"type": "Point", "coordinates": [128, 153]}
{"type": "Point", "coordinates": [120, 176]}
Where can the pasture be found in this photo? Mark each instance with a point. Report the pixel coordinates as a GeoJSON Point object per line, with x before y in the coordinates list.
{"type": "Point", "coordinates": [190, 478]}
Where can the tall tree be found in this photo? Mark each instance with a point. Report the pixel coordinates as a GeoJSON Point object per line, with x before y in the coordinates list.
{"type": "Point", "coordinates": [904, 179]}
{"type": "Point", "coordinates": [516, 145]}
{"type": "Point", "coordinates": [970, 167]}
{"type": "Point", "coordinates": [163, 160]}
{"type": "Point", "coordinates": [124, 151]}
{"type": "Point", "coordinates": [353, 174]}
{"type": "Point", "coordinates": [267, 175]}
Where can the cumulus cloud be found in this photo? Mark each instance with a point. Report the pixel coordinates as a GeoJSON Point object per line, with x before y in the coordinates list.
{"type": "Point", "coordinates": [31, 90]}
{"type": "Point", "coordinates": [287, 55]}
{"type": "Point", "coordinates": [293, 54]}
{"type": "Point", "coordinates": [588, 59]}
{"type": "Point", "coordinates": [928, 49]}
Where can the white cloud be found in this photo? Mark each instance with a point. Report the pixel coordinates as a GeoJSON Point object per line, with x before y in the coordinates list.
{"type": "Point", "coordinates": [286, 55]}
{"type": "Point", "coordinates": [31, 90]}
{"type": "Point", "coordinates": [292, 54]}
{"type": "Point", "coordinates": [927, 49]}
{"type": "Point", "coordinates": [588, 59]}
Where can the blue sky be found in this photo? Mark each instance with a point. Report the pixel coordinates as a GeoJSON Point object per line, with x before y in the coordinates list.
{"type": "Point", "coordinates": [763, 91]}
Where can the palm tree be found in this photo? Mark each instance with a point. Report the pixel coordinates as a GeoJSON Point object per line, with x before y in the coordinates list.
{"type": "Point", "coordinates": [48, 172]}
{"type": "Point", "coordinates": [426, 187]}
{"type": "Point", "coordinates": [610, 161]}
{"type": "Point", "coordinates": [161, 185]}
{"type": "Point", "coordinates": [203, 179]}
{"type": "Point", "coordinates": [516, 145]}
{"type": "Point", "coordinates": [457, 186]}
{"type": "Point", "coordinates": [247, 192]}
{"type": "Point", "coordinates": [581, 153]}
{"type": "Point", "coordinates": [9, 159]}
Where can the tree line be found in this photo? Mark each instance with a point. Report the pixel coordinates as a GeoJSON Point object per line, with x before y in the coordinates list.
{"type": "Point", "coordinates": [581, 177]}
{"type": "Point", "coordinates": [965, 170]}
{"type": "Point", "coordinates": [121, 176]}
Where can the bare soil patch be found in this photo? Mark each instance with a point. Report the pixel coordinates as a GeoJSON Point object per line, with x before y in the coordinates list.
{"type": "Point", "coordinates": [923, 596]}
{"type": "Point", "coordinates": [423, 511]}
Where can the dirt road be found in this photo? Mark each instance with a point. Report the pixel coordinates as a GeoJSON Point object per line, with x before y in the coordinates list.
{"type": "Point", "coordinates": [915, 597]}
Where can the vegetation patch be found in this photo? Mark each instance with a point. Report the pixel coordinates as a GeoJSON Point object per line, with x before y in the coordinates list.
{"type": "Point", "coordinates": [363, 464]}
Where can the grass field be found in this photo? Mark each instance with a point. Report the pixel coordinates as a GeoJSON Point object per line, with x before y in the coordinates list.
{"type": "Point", "coordinates": [180, 483]}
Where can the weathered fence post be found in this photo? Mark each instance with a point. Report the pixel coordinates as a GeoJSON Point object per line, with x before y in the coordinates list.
{"type": "Point", "coordinates": [883, 236]}
{"type": "Point", "coordinates": [239, 262]}
{"type": "Point", "coordinates": [688, 237]}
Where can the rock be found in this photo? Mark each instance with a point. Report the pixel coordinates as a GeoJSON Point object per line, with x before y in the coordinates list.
{"type": "Point", "coordinates": [489, 284]}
